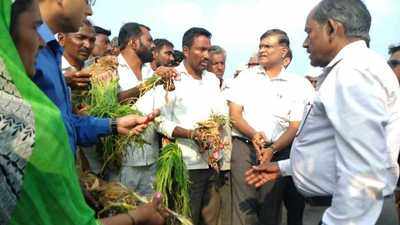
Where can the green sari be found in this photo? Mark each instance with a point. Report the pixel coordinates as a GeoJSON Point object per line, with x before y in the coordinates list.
{"type": "Point", "coordinates": [38, 179]}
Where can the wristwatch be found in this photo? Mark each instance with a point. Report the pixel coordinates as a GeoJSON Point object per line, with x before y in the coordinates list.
{"type": "Point", "coordinates": [114, 126]}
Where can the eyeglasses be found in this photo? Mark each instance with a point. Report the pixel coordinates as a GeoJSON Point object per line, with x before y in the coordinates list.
{"type": "Point", "coordinates": [91, 2]}
{"type": "Point", "coordinates": [393, 63]}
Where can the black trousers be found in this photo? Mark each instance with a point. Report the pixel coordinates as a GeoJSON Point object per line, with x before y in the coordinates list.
{"type": "Point", "coordinates": [201, 181]}
{"type": "Point", "coordinates": [287, 193]}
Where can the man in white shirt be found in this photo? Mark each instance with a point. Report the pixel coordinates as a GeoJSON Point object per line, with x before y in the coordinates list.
{"type": "Point", "coordinates": [77, 49]}
{"type": "Point", "coordinates": [394, 60]}
{"type": "Point", "coordinates": [266, 105]}
{"type": "Point", "coordinates": [394, 63]}
{"type": "Point", "coordinates": [348, 143]}
{"type": "Point", "coordinates": [216, 64]}
{"type": "Point", "coordinates": [222, 191]}
{"type": "Point", "coordinates": [136, 45]}
{"type": "Point", "coordinates": [163, 53]}
{"type": "Point", "coordinates": [196, 97]}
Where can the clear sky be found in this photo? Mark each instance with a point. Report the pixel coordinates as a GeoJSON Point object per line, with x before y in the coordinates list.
{"type": "Point", "coordinates": [236, 25]}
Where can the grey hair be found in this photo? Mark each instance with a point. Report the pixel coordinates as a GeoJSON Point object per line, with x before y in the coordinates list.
{"type": "Point", "coordinates": [353, 14]}
{"type": "Point", "coordinates": [215, 49]}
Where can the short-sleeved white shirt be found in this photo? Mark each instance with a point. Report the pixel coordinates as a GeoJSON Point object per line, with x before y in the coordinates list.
{"type": "Point", "coordinates": [269, 104]}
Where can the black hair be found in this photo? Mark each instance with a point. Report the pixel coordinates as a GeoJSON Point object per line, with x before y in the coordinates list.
{"type": "Point", "coordinates": [394, 48]}
{"type": "Point", "coordinates": [100, 30]}
{"type": "Point", "coordinates": [283, 37]}
{"type": "Point", "coordinates": [159, 43]}
{"type": "Point", "coordinates": [18, 7]}
{"type": "Point", "coordinates": [191, 34]}
{"type": "Point", "coordinates": [178, 58]}
{"type": "Point", "coordinates": [129, 31]}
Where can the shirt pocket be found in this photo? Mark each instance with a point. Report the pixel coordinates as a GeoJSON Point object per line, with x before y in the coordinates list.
{"type": "Point", "coordinates": [311, 112]}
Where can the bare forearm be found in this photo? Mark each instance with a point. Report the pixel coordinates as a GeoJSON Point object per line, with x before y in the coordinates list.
{"type": "Point", "coordinates": [131, 94]}
{"type": "Point", "coordinates": [243, 127]}
{"type": "Point", "coordinates": [239, 123]}
{"type": "Point", "coordinates": [120, 219]}
{"type": "Point", "coordinates": [286, 138]}
{"type": "Point", "coordinates": [180, 132]}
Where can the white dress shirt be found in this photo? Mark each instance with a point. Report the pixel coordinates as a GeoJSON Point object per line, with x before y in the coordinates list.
{"type": "Point", "coordinates": [128, 79]}
{"type": "Point", "coordinates": [191, 102]}
{"type": "Point", "coordinates": [147, 155]}
{"type": "Point", "coordinates": [269, 104]}
{"type": "Point", "coordinates": [348, 143]}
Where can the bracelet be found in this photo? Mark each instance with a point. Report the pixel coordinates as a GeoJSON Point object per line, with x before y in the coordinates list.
{"type": "Point", "coordinates": [133, 221]}
{"type": "Point", "coordinates": [114, 126]}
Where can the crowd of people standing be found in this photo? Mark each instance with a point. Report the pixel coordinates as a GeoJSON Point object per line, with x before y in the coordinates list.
{"type": "Point", "coordinates": [329, 141]}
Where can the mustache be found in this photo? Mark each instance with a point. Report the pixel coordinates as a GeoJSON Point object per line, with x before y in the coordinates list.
{"type": "Point", "coordinates": [84, 49]}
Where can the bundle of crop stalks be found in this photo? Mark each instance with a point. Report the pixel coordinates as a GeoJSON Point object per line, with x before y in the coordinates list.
{"type": "Point", "coordinates": [209, 135]}
{"type": "Point", "coordinates": [102, 101]}
{"type": "Point", "coordinates": [172, 179]}
{"type": "Point", "coordinates": [103, 68]}
{"type": "Point", "coordinates": [155, 80]}
{"type": "Point", "coordinates": [114, 198]}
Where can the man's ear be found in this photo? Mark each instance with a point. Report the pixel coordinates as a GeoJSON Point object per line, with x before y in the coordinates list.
{"type": "Point", "coordinates": [185, 51]}
{"type": "Point", "coordinates": [332, 28]}
{"type": "Point", "coordinates": [284, 52]}
{"type": "Point", "coordinates": [133, 43]}
{"type": "Point", "coordinates": [61, 39]}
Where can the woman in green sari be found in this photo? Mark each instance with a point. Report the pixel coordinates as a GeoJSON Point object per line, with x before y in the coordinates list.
{"type": "Point", "coordinates": [38, 180]}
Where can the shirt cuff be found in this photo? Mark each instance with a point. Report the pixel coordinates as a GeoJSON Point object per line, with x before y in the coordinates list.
{"type": "Point", "coordinates": [285, 167]}
{"type": "Point", "coordinates": [103, 126]}
{"type": "Point", "coordinates": [167, 128]}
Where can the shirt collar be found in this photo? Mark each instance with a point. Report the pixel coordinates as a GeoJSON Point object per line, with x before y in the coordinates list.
{"type": "Point", "coordinates": [65, 64]}
{"type": "Point", "coordinates": [345, 51]}
{"type": "Point", "coordinates": [46, 33]}
{"type": "Point", "coordinates": [182, 70]}
{"type": "Point", "coordinates": [281, 76]}
{"type": "Point", "coordinates": [122, 61]}
{"type": "Point", "coordinates": [49, 38]}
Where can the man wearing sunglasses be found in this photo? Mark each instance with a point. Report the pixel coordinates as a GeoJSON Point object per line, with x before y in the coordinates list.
{"type": "Point", "coordinates": [394, 60]}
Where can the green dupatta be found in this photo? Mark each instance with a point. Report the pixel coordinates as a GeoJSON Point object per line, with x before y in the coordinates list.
{"type": "Point", "coordinates": [50, 191]}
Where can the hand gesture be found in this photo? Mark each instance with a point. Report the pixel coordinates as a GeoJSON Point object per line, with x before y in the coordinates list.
{"type": "Point", "coordinates": [134, 124]}
{"type": "Point", "coordinates": [151, 213]}
{"type": "Point", "coordinates": [259, 175]}
{"type": "Point", "coordinates": [77, 79]}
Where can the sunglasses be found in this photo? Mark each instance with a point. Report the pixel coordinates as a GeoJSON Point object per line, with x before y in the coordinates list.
{"type": "Point", "coordinates": [393, 63]}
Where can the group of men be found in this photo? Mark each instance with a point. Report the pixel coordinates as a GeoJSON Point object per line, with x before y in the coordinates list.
{"type": "Point", "coordinates": [342, 138]}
